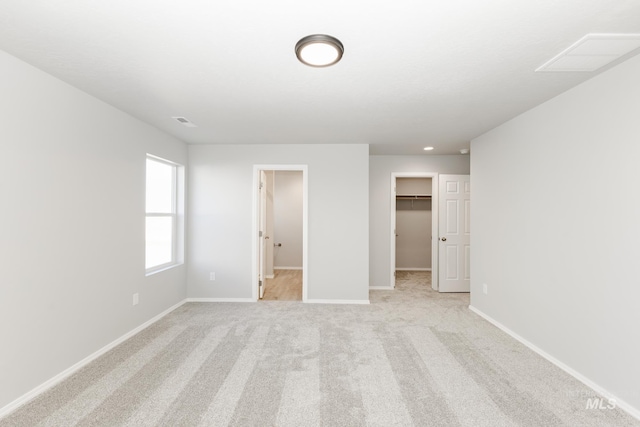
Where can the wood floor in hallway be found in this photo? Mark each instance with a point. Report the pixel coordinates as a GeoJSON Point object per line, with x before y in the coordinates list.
{"type": "Point", "coordinates": [285, 286]}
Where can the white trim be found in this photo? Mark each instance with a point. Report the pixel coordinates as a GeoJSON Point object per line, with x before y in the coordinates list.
{"type": "Point", "coordinates": [163, 160]}
{"type": "Point", "coordinates": [164, 267]}
{"type": "Point", "coordinates": [337, 301]}
{"type": "Point", "coordinates": [220, 300]}
{"type": "Point", "coordinates": [625, 406]}
{"type": "Point", "coordinates": [270, 276]}
{"type": "Point", "coordinates": [255, 226]}
{"type": "Point", "coordinates": [413, 269]}
{"type": "Point", "coordinates": [287, 268]}
{"type": "Point", "coordinates": [434, 223]}
{"type": "Point", "coordinates": [25, 398]}
{"type": "Point", "coordinates": [381, 288]}
{"type": "Point", "coordinates": [176, 214]}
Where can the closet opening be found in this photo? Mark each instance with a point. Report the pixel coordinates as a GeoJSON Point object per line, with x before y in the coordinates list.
{"type": "Point", "coordinates": [414, 223]}
{"type": "Point", "coordinates": [281, 233]}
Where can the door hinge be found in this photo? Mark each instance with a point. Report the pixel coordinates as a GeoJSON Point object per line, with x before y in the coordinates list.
{"type": "Point", "coordinates": [259, 282]}
{"type": "Point", "coordinates": [261, 185]}
{"type": "Point", "coordinates": [260, 234]}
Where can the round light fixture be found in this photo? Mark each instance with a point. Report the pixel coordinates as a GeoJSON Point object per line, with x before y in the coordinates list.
{"type": "Point", "coordinates": [319, 50]}
{"type": "Point", "coordinates": [428, 148]}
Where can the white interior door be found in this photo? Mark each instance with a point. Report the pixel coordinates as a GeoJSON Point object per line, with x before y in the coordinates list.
{"type": "Point", "coordinates": [262, 236]}
{"type": "Point", "coordinates": [454, 233]}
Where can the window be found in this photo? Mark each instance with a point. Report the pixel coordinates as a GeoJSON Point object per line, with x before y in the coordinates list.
{"type": "Point", "coordinates": [162, 228]}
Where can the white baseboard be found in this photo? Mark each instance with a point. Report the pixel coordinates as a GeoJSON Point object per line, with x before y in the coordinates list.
{"type": "Point", "coordinates": [631, 410]}
{"type": "Point", "coordinates": [269, 276]}
{"type": "Point", "coordinates": [309, 301]}
{"type": "Point", "coordinates": [287, 268]}
{"type": "Point", "coordinates": [381, 288]}
{"type": "Point", "coordinates": [413, 269]}
{"type": "Point", "coordinates": [220, 300]}
{"type": "Point", "coordinates": [6, 410]}
{"type": "Point", "coordinates": [337, 301]}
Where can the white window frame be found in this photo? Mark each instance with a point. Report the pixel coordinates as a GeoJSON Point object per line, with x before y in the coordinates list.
{"type": "Point", "coordinates": [176, 215]}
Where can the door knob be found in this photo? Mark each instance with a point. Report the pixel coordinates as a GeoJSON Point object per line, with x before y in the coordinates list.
{"type": "Point", "coordinates": [444, 239]}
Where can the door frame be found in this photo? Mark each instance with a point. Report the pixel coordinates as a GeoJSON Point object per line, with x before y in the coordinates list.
{"type": "Point", "coordinates": [255, 234]}
{"type": "Point", "coordinates": [434, 223]}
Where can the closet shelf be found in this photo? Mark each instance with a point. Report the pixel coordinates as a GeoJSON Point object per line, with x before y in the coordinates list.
{"type": "Point", "coordinates": [413, 197]}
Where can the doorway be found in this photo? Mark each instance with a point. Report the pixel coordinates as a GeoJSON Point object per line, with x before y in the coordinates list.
{"type": "Point", "coordinates": [450, 225]}
{"type": "Point", "coordinates": [280, 232]}
{"type": "Point", "coordinates": [414, 219]}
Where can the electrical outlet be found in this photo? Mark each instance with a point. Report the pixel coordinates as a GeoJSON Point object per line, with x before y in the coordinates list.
{"type": "Point", "coordinates": [485, 289]}
{"type": "Point", "coordinates": [212, 276]}
{"type": "Point", "coordinates": [136, 299]}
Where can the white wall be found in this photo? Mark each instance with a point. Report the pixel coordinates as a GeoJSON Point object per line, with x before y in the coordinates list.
{"type": "Point", "coordinates": [413, 186]}
{"type": "Point", "coordinates": [287, 216]}
{"type": "Point", "coordinates": [380, 170]}
{"type": "Point", "coordinates": [72, 227]}
{"type": "Point", "coordinates": [555, 220]}
{"type": "Point", "coordinates": [220, 218]}
{"type": "Point", "coordinates": [413, 229]}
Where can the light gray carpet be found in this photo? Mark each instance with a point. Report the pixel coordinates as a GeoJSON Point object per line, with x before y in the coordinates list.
{"type": "Point", "coordinates": [413, 357]}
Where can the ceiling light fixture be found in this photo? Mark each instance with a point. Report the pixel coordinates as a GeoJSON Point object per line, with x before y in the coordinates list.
{"type": "Point", "coordinates": [319, 50]}
{"type": "Point", "coordinates": [428, 148]}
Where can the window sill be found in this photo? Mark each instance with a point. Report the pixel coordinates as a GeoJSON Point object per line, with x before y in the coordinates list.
{"type": "Point", "coordinates": [161, 268]}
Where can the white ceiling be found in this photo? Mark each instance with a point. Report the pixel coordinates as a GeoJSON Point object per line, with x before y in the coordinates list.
{"type": "Point", "coordinates": [414, 72]}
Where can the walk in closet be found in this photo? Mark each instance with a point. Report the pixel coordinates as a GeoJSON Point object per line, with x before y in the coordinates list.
{"type": "Point", "coordinates": [413, 224]}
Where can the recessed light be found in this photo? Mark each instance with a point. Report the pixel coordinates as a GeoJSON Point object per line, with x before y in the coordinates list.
{"type": "Point", "coordinates": [428, 148]}
{"type": "Point", "coordinates": [319, 50]}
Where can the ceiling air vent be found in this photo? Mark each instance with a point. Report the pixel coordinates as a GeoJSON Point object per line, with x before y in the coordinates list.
{"type": "Point", "coordinates": [185, 122]}
{"type": "Point", "coordinates": [593, 51]}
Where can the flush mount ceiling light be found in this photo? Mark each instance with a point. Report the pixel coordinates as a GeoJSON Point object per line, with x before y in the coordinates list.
{"type": "Point", "coordinates": [428, 148]}
{"type": "Point", "coordinates": [319, 50]}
